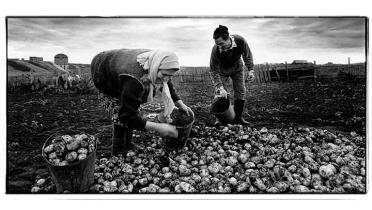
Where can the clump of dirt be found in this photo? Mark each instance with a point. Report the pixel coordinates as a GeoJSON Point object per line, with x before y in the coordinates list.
{"type": "Point", "coordinates": [180, 118]}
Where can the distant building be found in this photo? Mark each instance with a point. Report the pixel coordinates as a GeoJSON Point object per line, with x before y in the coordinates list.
{"type": "Point", "coordinates": [61, 60]}
{"type": "Point", "coordinates": [36, 59]}
{"type": "Point", "coordinates": [300, 62]}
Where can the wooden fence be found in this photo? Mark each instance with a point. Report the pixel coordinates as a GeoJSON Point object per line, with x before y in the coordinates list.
{"type": "Point", "coordinates": [267, 73]}
{"type": "Point", "coordinates": [335, 71]}
{"type": "Point", "coordinates": [264, 73]}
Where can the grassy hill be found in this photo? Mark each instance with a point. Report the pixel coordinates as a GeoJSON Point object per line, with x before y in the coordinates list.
{"type": "Point", "coordinates": [19, 67]}
{"type": "Point", "coordinates": [45, 71]}
{"type": "Point", "coordinates": [49, 66]}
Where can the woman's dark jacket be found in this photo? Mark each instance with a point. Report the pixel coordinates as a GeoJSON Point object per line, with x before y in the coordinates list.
{"type": "Point", "coordinates": [118, 74]}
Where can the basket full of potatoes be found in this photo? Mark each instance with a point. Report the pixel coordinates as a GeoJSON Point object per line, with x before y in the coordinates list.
{"type": "Point", "coordinates": [64, 150]}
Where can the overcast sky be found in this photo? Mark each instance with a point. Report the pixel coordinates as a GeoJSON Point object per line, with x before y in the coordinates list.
{"type": "Point", "coordinates": [273, 40]}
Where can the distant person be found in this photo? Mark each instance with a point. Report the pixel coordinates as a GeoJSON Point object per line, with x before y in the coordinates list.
{"type": "Point", "coordinates": [78, 78]}
{"type": "Point", "coordinates": [226, 62]}
{"type": "Point", "coordinates": [70, 80]}
{"type": "Point", "coordinates": [61, 81]}
{"type": "Point", "coordinates": [132, 76]}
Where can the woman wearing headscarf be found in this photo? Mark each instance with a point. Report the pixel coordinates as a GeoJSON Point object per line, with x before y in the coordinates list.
{"type": "Point", "coordinates": [132, 76]}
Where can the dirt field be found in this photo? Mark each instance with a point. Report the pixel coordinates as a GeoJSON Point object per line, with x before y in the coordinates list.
{"type": "Point", "coordinates": [339, 106]}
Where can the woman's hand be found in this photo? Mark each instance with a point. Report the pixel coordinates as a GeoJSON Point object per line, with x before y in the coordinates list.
{"type": "Point", "coordinates": [184, 108]}
{"type": "Point", "coordinates": [221, 92]}
{"type": "Point", "coordinates": [164, 129]}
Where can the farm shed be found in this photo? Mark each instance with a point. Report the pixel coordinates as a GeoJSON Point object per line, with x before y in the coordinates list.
{"type": "Point", "coordinates": [300, 62]}
{"type": "Point", "coordinates": [36, 59]}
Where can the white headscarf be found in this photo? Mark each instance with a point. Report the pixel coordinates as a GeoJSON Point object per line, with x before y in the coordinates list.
{"type": "Point", "coordinates": [157, 59]}
{"type": "Point", "coordinates": [153, 61]}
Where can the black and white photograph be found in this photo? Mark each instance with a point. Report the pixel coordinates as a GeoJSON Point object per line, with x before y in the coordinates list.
{"type": "Point", "coordinates": [186, 105]}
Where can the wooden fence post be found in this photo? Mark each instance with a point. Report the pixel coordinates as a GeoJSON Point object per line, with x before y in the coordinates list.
{"type": "Point", "coordinates": [264, 73]}
{"type": "Point", "coordinates": [286, 69]}
{"type": "Point", "coordinates": [267, 73]}
{"type": "Point", "coordinates": [260, 72]}
{"type": "Point", "coordinates": [257, 75]}
{"type": "Point", "coordinates": [268, 70]}
{"type": "Point", "coordinates": [277, 74]}
{"type": "Point", "coordinates": [261, 75]}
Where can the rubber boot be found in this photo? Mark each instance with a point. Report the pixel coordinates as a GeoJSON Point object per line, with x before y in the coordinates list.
{"type": "Point", "coordinates": [238, 108]}
{"type": "Point", "coordinates": [128, 144]}
{"type": "Point", "coordinates": [122, 140]}
{"type": "Point", "coordinates": [117, 139]}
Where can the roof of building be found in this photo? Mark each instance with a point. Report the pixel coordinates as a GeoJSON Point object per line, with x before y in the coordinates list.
{"type": "Point", "coordinates": [299, 61]}
{"type": "Point", "coordinates": [60, 55]}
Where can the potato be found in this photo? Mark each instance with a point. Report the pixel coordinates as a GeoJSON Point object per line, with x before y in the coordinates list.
{"type": "Point", "coordinates": [281, 186]}
{"type": "Point", "coordinates": [186, 187]}
{"type": "Point", "coordinates": [82, 156]}
{"type": "Point", "coordinates": [56, 161]}
{"type": "Point", "coordinates": [82, 151]}
{"type": "Point", "coordinates": [273, 190]}
{"type": "Point", "coordinates": [243, 187]}
{"type": "Point", "coordinates": [233, 181]}
{"type": "Point", "coordinates": [59, 148]}
{"type": "Point", "coordinates": [167, 175]}
{"type": "Point", "coordinates": [232, 161]}
{"type": "Point", "coordinates": [84, 143]}
{"type": "Point", "coordinates": [40, 182]}
{"type": "Point", "coordinates": [67, 138]}
{"type": "Point", "coordinates": [48, 149]}
{"type": "Point", "coordinates": [57, 139]}
{"type": "Point", "coordinates": [214, 168]}
{"type": "Point", "coordinates": [71, 156]}
{"type": "Point", "coordinates": [301, 189]}
{"type": "Point", "coordinates": [327, 171]}
{"type": "Point", "coordinates": [73, 145]}
{"type": "Point", "coordinates": [63, 163]}
{"type": "Point", "coordinates": [184, 171]}
{"type": "Point", "coordinates": [52, 155]}
{"type": "Point", "coordinates": [35, 189]}
{"type": "Point", "coordinates": [243, 157]}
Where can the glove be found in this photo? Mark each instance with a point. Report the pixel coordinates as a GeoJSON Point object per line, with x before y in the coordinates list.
{"type": "Point", "coordinates": [251, 75]}
{"type": "Point", "coordinates": [221, 92]}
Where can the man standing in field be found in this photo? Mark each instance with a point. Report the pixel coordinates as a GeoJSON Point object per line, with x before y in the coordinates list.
{"type": "Point", "coordinates": [226, 62]}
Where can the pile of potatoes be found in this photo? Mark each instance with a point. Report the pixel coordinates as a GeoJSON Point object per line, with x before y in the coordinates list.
{"type": "Point", "coordinates": [237, 159]}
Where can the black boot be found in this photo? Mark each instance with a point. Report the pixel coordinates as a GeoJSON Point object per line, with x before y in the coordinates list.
{"type": "Point", "coordinates": [122, 140]}
{"type": "Point", "coordinates": [117, 139]}
{"type": "Point", "coordinates": [238, 108]}
{"type": "Point", "coordinates": [128, 144]}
